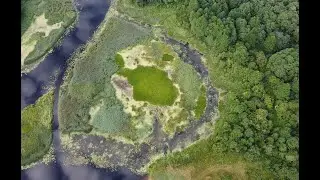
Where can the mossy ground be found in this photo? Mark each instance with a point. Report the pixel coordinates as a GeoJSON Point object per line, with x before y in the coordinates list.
{"type": "Point", "coordinates": [167, 57]}
{"type": "Point", "coordinates": [36, 129]}
{"type": "Point", "coordinates": [201, 103]}
{"type": "Point", "coordinates": [109, 119]}
{"type": "Point", "coordinates": [152, 85]}
{"type": "Point", "coordinates": [89, 77]}
{"type": "Point", "coordinates": [38, 30]}
{"type": "Point", "coordinates": [119, 60]}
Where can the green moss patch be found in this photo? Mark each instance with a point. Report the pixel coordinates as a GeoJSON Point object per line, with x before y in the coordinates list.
{"type": "Point", "coordinates": [151, 84]}
{"type": "Point", "coordinates": [119, 60]}
{"type": "Point", "coordinates": [167, 57]}
{"type": "Point", "coordinates": [36, 129]}
{"type": "Point", "coordinates": [201, 103]}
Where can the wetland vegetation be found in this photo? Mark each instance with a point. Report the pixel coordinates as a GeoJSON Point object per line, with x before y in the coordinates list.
{"type": "Point", "coordinates": [241, 41]}
{"type": "Point", "coordinates": [90, 81]}
{"type": "Point", "coordinates": [36, 129]}
{"type": "Point", "coordinates": [43, 23]}
{"type": "Point", "coordinates": [142, 104]}
{"type": "Point", "coordinates": [124, 83]}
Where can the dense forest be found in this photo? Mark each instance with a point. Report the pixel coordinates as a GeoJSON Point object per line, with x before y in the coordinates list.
{"type": "Point", "coordinates": [256, 46]}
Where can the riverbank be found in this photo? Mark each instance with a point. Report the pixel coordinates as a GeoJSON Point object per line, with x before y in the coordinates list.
{"type": "Point", "coordinates": [49, 73]}
{"type": "Point", "coordinates": [45, 32]}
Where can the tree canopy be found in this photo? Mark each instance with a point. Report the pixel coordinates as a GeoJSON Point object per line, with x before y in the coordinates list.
{"type": "Point", "coordinates": [255, 49]}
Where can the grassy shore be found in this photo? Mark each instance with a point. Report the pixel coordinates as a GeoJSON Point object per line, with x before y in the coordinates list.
{"type": "Point", "coordinates": [43, 24]}
{"type": "Point", "coordinates": [36, 129]}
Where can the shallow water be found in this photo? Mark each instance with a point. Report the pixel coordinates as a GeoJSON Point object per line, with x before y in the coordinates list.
{"type": "Point", "coordinates": [56, 172]}
{"type": "Point", "coordinates": [92, 12]}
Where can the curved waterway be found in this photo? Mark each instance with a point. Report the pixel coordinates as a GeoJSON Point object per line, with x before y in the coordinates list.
{"type": "Point", "coordinates": [91, 14]}
{"type": "Point", "coordinates": [48, 74]}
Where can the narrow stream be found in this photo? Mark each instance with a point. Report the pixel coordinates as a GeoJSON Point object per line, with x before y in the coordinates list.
{"type": "Point", "coordinates": [91, 14]}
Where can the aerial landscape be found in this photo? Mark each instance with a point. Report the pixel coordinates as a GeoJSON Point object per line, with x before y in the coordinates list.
{"type": "Point", "coordinates": [159, 89]}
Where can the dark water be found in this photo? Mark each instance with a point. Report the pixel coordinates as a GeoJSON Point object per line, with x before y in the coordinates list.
{"type": "Point", "coordinates": [57, 172]}
{"type": "Point", "coordinates": [92, 12]}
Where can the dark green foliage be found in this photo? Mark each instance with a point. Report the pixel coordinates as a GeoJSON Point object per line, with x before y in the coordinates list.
{"type": "Point", "coordinates": [167, 57]}
{"type": "Point", "coordinates": [284, 64]}
{"type": "Point", "coordinates": [252, 52]}
{"type": "Point", "coordinates": [270, 43]}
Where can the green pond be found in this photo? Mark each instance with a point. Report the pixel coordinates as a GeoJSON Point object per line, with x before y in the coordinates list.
{"type": "Point", "coordinates": [151, 84]}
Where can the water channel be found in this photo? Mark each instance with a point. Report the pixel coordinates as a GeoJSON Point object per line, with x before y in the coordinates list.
{"type": "Point", "coordinates": [91, 14]}
{"type": "Point", "coordinates": [49, 73]}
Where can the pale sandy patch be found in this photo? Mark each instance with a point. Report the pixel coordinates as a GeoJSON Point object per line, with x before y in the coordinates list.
{"type": "Point", "coordinates": [39, 25]}
{"type": "Point", "coordinates": [169, 69]}
{"type": "Point", "coordinates": [26, 49]}
{"type": "Point", "coordinates": [94, 109]}
{"type": "Point", "coordinates": [135, 56]}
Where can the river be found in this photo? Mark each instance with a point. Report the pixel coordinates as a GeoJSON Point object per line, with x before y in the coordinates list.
{"type": "Point", "coordinates": [49, 73]}
{"type": "Point", "coordinates": [91, 14]}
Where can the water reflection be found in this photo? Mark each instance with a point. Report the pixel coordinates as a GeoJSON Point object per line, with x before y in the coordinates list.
{"type": "Point", "coordinates": [91, 14]}
{"type": "Point", "coordinates": [54, 172]}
